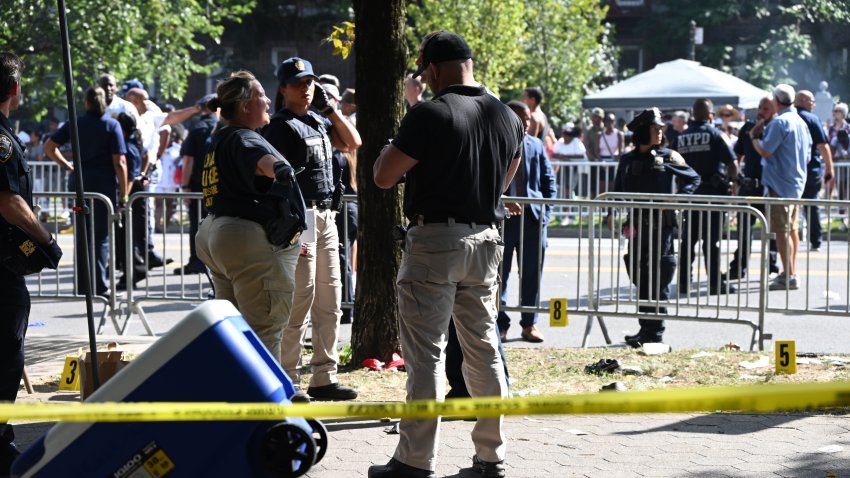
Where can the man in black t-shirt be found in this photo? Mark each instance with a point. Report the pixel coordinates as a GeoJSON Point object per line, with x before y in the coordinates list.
{"type": "Point", "coordinates": [459, 152]}
{"type": "Point", "coordinates": [193, 151]}
{"type": "Point", "coordinates": [749, 184]}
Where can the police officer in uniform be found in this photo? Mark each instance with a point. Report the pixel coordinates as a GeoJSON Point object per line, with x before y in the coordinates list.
{"type": "Point", "coordinates": [460, 152]}
{"type": "Point", "coordinates": [707, 151]}
{"type": "Point", "coordinates": [249, 239]}
{"type": "Point", "coordinates": [305, 139]}
{"type": "Point", "coordinates": [651, 260]}
{"type": "Point", "coordinates": [38, 244]}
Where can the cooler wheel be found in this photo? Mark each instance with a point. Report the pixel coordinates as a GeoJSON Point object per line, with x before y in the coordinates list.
{"type": "Point", "coordinates": [320, 437]}
{"type": "Point", "coordinates": [288, 451]}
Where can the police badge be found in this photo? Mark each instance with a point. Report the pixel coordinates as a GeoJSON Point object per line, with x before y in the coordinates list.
{"type": "Point", "coordinates": [658, 162]}
{"type": "Point", "coordinates": [299, 65]}
{"type": "Point", "coordinates": [6, 148]}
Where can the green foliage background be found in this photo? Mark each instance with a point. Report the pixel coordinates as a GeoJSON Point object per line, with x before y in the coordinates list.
{"type": "Point", "coordinates": [151, 40]}
{"type": "Point", "coordinates": [560, 45]}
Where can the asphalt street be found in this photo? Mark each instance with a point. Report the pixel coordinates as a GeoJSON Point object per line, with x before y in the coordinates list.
{"type": "Point", "coordinates": [164, 298]}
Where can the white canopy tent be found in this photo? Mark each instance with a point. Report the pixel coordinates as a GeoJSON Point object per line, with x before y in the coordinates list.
{"type": "Point", "coordinates": [675, 85]}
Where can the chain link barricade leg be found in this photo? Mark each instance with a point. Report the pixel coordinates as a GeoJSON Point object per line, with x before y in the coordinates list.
{"type": "Point", "coordinates": [63, 283]}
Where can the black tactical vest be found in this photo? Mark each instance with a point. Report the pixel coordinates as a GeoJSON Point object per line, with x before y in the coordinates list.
{"type": "Point", "coordinates": [313, 153]}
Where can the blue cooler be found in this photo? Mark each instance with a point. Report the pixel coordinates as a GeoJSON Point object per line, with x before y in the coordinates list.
{"type": "Point", "coordinates": [212, 355]}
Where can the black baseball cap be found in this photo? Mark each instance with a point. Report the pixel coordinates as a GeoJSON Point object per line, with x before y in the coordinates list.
{"type": "Point", "coordinates": [646, 118]}
{"type": "Point", "coordinates": [293, 69]}
{"type": "Point", "coordinates": [443, 46]}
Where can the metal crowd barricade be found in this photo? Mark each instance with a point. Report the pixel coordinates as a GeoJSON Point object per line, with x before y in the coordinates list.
{"type": "Point", "coordinates": [160, 284]}
{"type": "Point", "coordinates": [61, 284]}
{"type": "Point", "coordinates": [346, 237]}
{"type": "Point", "coordinates": [48, 177]}
{"type": "Point", "coordinates": [580, 180]}
{"type": "Point", "coordinates": [599, 284]}
{"type": "Point", "coordinates": [833, 257]}
{"type": "Point", "coordinates": [840, 192]}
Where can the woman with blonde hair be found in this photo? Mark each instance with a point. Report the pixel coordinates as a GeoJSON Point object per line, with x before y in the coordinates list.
{"type": "Point", "coordinates": [250, 238]}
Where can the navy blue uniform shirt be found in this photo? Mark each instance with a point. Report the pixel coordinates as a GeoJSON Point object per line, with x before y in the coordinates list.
{"type": "Point", "coordinates": [100, 138]}
{"type": "Point", "coordinates": [660, 171]}
{"type": "Point", "coordinates": [706, 151]}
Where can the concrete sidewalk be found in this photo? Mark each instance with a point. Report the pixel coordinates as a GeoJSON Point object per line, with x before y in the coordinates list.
{"type": "Point", "coordinates": [650, 445]}
{"type": "Point", "coordinates": [669, 445]}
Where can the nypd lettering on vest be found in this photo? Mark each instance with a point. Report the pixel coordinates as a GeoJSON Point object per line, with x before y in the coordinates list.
{"type": "Point", "coordinates": [694, 142]}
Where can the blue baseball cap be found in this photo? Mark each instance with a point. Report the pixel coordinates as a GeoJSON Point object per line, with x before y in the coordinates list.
{"type": "Point", "coordinates": [293, 69]}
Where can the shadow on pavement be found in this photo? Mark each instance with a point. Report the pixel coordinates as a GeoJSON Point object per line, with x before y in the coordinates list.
{"type": "Point", "coordinates": [722, 424]}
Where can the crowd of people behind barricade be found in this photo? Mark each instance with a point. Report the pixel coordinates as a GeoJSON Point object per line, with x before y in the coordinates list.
{"type": "Point", "coordinates": [268, 230]}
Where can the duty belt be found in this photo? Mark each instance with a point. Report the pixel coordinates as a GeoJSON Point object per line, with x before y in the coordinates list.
{"type": "Point", "coordinates": [422, 220]}
{"type": "Point", "coordinates": [323, 204]}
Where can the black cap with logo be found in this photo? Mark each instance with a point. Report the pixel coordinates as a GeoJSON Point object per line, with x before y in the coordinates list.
{"type": "Point", "coordinates": [443, 46]}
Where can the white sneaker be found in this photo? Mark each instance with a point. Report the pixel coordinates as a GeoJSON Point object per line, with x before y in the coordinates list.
{"type": "Point", "coordinates": [782, 282]}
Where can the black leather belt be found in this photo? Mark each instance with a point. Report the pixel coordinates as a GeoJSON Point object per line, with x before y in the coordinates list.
{"type": "Point", "coordinates": [447, 219]}
{"type": "Point", "coordinates": [323, 204]}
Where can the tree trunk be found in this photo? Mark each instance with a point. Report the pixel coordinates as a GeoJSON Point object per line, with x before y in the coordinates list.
{"type": "Point", "coordinates": [381, 56]}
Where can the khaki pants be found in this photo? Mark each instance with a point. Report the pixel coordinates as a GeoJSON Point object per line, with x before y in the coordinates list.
{"type": "Point", "coordinates": [256, 276]}
{"type": "Point", "coordinates": [318, 291]}
{"type": "Point", "coordinates": [449, 270]}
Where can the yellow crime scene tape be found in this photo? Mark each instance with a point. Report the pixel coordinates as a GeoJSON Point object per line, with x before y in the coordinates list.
{"type": "Point", "coordinates": [756, 398]}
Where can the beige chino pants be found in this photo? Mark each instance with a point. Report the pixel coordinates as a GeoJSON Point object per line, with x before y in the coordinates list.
{"type": "Point", "coordinates": [318, 291]}
{"type": "Point", "coordinates": [449, 270]}
{"type": "Point", "coordinates": [255, 275]}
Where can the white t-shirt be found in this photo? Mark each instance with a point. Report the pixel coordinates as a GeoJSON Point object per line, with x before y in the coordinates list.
{"type": "Point", "coordinates": [576, 146]}
{"type": "Point", "coordinates": [167, 168]}
{"type": "Point", "coordinates": [151, 124]}
{"type": "Point", "coordinates": [120, 105]}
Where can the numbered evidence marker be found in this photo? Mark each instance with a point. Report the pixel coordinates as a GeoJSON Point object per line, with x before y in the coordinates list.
{"type": "Point", "coordinates": [70, 380]}
{"type": "Point", "coordinates": [558, 316]}
{"type": "Point", "coordinates": [786, 356]}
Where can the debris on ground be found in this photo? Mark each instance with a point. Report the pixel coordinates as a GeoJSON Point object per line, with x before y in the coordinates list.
{"type": "Point", "coordinates": [614, 387]}
{"type": "Point", "coordinates": [631, 370]}
{"type": "Point", "coordinates": [762, 362]}
{"type": "Point", "coordinates": [603, 366]}
{"type": "Point", "coordinates": [655, 349]}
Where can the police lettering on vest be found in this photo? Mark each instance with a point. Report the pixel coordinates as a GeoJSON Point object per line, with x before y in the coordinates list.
{"type": "Point", "coordinates": [707, 152]}
{"type": "Point", "coordinates": [305, 143]}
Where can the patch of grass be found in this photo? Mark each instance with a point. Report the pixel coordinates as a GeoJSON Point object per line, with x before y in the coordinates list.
{"type": "Point", "coordinates": [546, 371]}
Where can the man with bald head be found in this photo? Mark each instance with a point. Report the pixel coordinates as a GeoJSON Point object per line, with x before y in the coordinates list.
{"type": "Point", "coordinates": [750, 184]}
{"type": "Point", "coordinates": [114, 104]}
{"type": "Point", "coordinates": [786, 149]}
{"type": "Point", "coordinates": [459, 153]}
{"type": "Point", "coordinates": [819, 168]}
